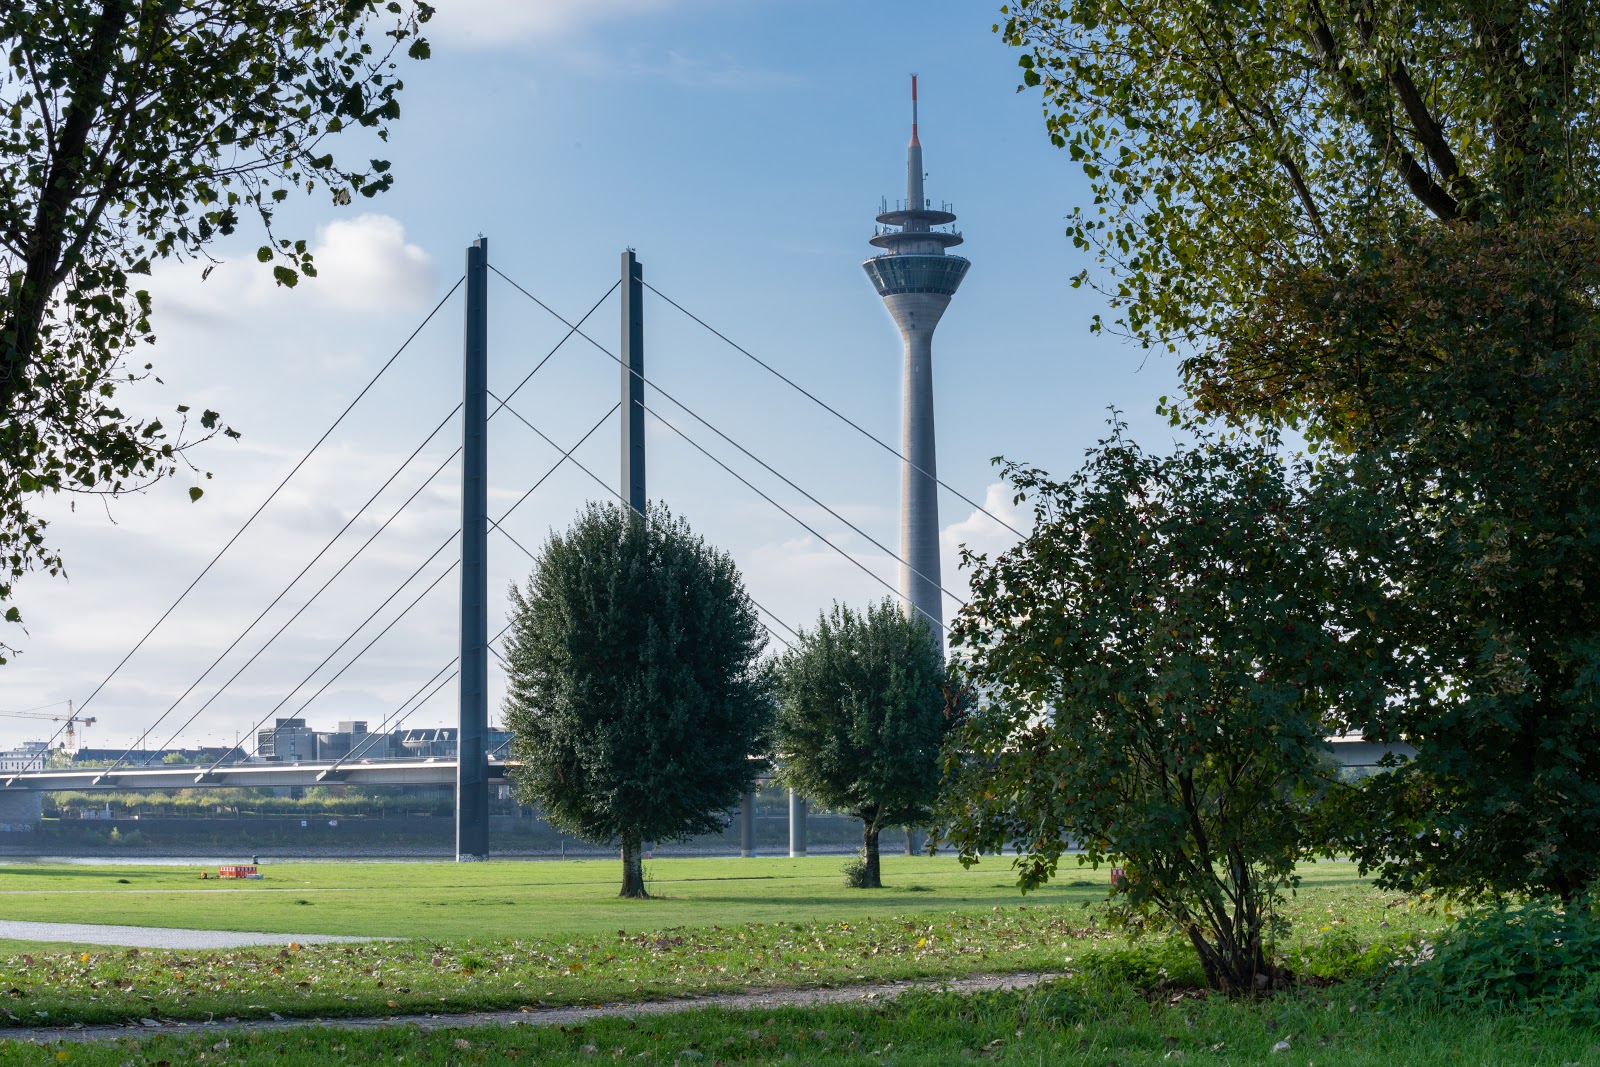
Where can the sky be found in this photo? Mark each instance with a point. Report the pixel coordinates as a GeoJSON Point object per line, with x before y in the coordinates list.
{"type": "Point", "coordinates": [741, 147]}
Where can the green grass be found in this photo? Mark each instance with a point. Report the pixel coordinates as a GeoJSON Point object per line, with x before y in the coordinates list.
{"type": "Point", "coordinates": [446, 901]}
{"type": "Point", "coordinates": [1073, 1022]}
{"type": "Point", "coordinates": [545, 933]}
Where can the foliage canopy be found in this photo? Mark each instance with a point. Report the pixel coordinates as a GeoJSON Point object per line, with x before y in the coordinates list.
{"type": "Point", "coordinates": [136, 131]}
{"type": "Point", "coordinates": [1374, 221]}
{"type": "Point", "coordinates": [865, 702]}
{"type": "Point", "coordinates": [637, 698]}
{"type": "Point", "coordinates": [1159, 661]}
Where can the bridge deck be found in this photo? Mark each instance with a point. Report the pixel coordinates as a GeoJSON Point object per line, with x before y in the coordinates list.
{"type": "Point", "coordinates": [243, 775]}
{"type": "Point", "coordinates": [1351, 752]}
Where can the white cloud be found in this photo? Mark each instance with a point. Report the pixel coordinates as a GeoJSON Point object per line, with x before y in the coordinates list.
{"type": "Point", "coordinates": [364, 264]}
{"type": "Point", "coordinates": [980, 533]}
{"type": "Point", "coordinates": [504, 23]}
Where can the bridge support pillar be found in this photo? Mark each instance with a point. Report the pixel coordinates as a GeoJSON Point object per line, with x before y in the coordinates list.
{"type": "Point", "coordinates": [633, 484]}
{"type": "Point", "coordinates": [472, 757]}
{"type": "Point", "coordinates": [747, 826]}
{"type": "Point", "coordinates": [914, 840]}
{"type": "Point", "coordinates": [797, 824]}
{"type": "Point", "coordinates": [20, 810]}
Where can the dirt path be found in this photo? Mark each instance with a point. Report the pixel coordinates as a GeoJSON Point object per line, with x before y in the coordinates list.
{"type": "Point", "coordinates": [757, 999]}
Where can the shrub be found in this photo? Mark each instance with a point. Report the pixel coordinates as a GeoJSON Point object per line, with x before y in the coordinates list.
{"type": "Point", "coordinates": [1535, 957]}
{"type": "Point", "coordinates": [1156, 665]}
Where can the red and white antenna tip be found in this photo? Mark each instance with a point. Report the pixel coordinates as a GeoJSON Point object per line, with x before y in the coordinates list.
{"type": "Point", "coordinates": [914, 111]}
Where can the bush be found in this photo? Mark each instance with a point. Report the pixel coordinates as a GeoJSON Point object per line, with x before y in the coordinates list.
{"type": "Point", "coordinates": [1151, 963]}
{"type": "Point", "coordinates": [1157, 664]}
{"type": "Point", "coordinates": [1537, 957]}
{"type": "Point", "coordinates": [855, 870]}
{"type": "Point", "coordinates": [1340, 956]}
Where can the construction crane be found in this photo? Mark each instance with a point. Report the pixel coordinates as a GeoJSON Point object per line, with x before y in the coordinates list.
{"type": "Point", "coordinates": [71, 718]}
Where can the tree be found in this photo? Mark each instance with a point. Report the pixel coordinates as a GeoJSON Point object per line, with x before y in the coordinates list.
{"type": "Point", "coordinates": [637, 700]}
{"type": "Point", "coordinates": [132, 132]}
{"type": "Point", "coordinates": [1478, 352]}
{"type": "Point", "coordinates": [864, 702]}
{"type": "Point", "coordinates": [1224, 142]}
{"type": "Point", "coordinates": [1158, 661]}
{"type": "Point", "coordinates": [1374, 222]}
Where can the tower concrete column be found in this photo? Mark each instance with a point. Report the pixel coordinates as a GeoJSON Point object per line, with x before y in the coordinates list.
{"type": "Point", "coordinates": [917, 314]}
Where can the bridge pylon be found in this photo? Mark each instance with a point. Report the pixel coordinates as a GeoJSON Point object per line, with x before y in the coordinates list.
{"type": "Point", "coordinates": [472, 757]}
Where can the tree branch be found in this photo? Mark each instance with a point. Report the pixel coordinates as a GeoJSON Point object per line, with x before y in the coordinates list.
{"type": "Point", "coordinates": [1430, 193]}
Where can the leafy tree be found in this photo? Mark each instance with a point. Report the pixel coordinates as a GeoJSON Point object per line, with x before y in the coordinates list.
{"type": "Point", "coordinates": [636, 696]}
{"type": "Point", "coordinates": [1222, 139]}
{"type": "Point", "coordinates": [1374, 222]}
{"type": "Point", "coordinates": [136, 131]}
{"type": "Point", "coordinates": [1479, 352]}
{"type": "Point", "coordinates": [863, 704]}
{"type": "Point", "coordinates": [1158, 661]}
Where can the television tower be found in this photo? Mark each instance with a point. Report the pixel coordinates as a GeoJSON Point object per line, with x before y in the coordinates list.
{"type": "Point", "coordinates": [916, 280]}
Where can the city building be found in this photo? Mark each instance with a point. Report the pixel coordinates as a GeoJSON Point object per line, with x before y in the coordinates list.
{"type": "Point", "coordinates": [28, 756]}
{"type": "Point", "coordinates": [349, 737]}
{"type": "Point", "coordinates": [288, 741]}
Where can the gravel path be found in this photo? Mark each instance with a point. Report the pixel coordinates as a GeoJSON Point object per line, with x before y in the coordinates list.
{"type": "Point", "coordinates": [155, 936]}
{"type": "Point", "coordinates": [758, 999]}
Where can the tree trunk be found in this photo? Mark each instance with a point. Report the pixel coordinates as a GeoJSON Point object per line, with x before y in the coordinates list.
{"type": "Point", "coordinates": [872, 873]}
{"type": "Point", "coordinates": [632, 867]}
{"type": "Point", "coordinates": [1239, 970]}
{"type": "Point", "coordinates": [42, 267]}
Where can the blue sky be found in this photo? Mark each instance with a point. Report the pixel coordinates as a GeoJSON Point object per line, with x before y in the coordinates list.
{"type": "Point", "coordinates": [741, 148]}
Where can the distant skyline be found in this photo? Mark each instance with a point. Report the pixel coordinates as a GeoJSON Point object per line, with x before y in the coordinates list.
{"type": "Point", "coordinates": [742, 149]}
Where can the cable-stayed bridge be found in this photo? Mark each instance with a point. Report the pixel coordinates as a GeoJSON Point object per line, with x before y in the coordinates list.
{"type": "Point", "coordinates": [463, 556]}
{"type": "Point", "coordinates": [459, 558]}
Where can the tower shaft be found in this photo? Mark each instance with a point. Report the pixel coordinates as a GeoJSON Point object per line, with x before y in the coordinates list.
{"type": "Point", "coordinates": [917, 314]}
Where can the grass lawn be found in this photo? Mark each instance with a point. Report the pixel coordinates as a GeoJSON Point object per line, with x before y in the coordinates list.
{"type": "Point", "coordinates": [505, 935]}
{"type": "Point", "coordinates": [1072, 1023]}
{"type": "Point", "coordinates": [510, 899]}
{"type": "Point", "coordinates": [450, 901]}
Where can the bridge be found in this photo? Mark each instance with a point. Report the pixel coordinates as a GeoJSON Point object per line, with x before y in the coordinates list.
{"type": "Point", "coordinates": [475, 766]}
{"type": "Point", "coordinates": [426, 771]}
{"type": "Point", "coordinates": [463, 554]}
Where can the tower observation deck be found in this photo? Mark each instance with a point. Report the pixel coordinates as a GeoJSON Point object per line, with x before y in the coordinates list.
{"type": "Point", "coordinates": [916, 279]}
